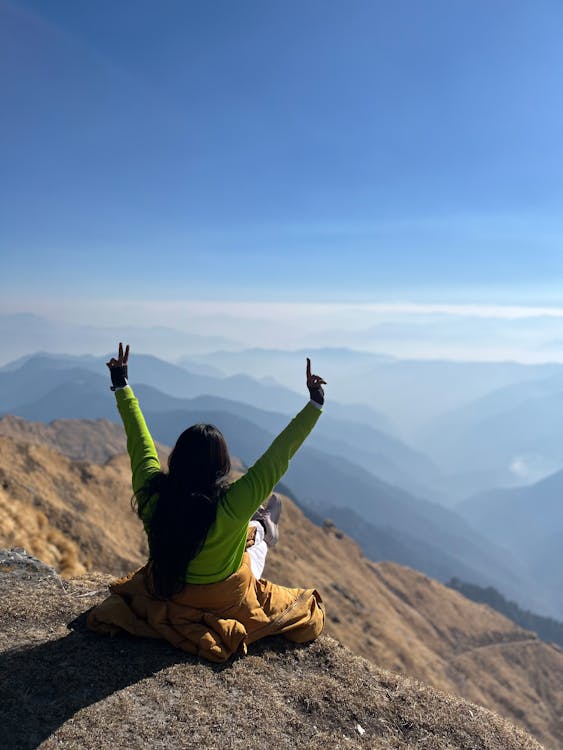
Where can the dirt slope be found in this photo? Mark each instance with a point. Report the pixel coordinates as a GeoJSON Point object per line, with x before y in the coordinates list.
{"type": "Point", "coordinates": [67, 690]}
{"type": "Point", "coordinates": [76, 516]}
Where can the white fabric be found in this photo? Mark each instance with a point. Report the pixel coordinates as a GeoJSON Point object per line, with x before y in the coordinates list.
{"type": "Point", "coordinates": [258, 551]}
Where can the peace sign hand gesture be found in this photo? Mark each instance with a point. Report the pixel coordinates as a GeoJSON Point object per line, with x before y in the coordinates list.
{"type": "Point", "coordinates": [314, 384]}
{"type": "Point", "coordinates": [118, 368]}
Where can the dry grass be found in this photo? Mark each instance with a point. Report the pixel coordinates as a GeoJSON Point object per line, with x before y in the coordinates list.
{"type": "Point", "coordinates": [84, 439]}
{"type": "Point", "coordinates": [72, 514]}
{"type": "Point", "coordinates": [62, 689]}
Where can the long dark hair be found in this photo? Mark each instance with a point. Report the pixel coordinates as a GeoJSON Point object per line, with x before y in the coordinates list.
{"type": "Point", "coordinates": [186, 508]}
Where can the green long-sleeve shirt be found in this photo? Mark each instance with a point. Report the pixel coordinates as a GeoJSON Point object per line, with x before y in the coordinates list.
{"type": "Point", "coordinates": [225, 543]}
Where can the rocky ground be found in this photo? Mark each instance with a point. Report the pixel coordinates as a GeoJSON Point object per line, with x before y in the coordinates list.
{"type": "Point", "coordinates": [64, 687]}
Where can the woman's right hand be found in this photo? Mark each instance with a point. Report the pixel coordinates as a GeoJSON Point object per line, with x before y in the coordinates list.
{"type": "Point", "coordinates": [118, 368]}
{"type": "Point", "coordinates": [314, 384]}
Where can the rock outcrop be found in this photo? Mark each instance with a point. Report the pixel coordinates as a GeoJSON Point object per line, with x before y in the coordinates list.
{"type": "Point", "coordinates": [68, 689]}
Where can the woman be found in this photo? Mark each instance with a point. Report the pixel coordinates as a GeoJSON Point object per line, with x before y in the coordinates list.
{"type": "Point", "coordinates": [202, 588]}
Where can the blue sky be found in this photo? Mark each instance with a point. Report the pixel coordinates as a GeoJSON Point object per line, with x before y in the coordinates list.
{"type": "Point", "coordinates": [358, 151]}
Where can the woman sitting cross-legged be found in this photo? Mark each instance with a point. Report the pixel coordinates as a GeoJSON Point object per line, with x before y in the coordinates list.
{"type": "Point", "coordinates": [201, 588]}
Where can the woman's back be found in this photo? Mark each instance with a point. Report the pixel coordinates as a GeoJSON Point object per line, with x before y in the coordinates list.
{"type": "Point", "coordinates": [225, 542]}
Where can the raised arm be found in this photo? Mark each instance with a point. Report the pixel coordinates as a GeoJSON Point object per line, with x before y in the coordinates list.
{"type": "Point", "coordinates": [140, 445]}
{"type": "Point", "coordinates": [246, 494]}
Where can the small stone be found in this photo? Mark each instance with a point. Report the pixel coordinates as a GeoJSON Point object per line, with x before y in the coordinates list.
{"type": "Point", "coordinates": [19, 563]}
{"type": "Point", "coordinates": [360, 730]}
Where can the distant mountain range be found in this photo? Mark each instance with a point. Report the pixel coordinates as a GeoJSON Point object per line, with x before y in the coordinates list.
{"type": "Point", "coordinates": [513, 435]}
{"type": "Point", "coordinates": [483, 424]}
{"type": "Point", "coordinates": [528, 521]}
{"type": "Point", "coordinates": [476, 425]}
{"type": "Point", "coordinates": [411, 393]}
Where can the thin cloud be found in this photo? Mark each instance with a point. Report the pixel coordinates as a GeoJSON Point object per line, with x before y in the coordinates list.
{"type": "Point", "coordinates": [69, 309]}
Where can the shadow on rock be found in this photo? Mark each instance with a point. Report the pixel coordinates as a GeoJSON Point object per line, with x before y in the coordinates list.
{"type": "Point", "coordinates": [43, 686]}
